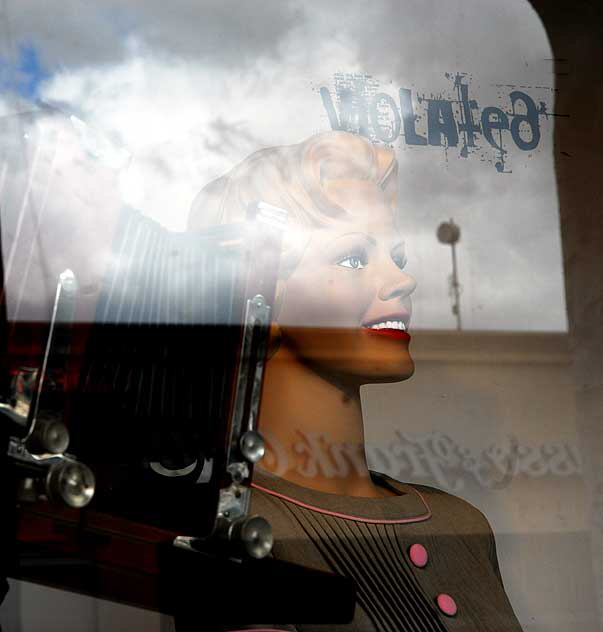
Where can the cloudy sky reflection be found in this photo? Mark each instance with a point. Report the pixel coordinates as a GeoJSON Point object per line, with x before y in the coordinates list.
{"type": "Point", "coordinates": [187, 89]}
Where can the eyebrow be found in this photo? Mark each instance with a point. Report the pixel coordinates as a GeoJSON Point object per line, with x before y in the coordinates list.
{"type": "Point", "coordinates": [369, 238]}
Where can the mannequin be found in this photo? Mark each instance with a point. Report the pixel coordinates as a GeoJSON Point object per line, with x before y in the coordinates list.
{"type": "Point", "coordinates": [342, 316]}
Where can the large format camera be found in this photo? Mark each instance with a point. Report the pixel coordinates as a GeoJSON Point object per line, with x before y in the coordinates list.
{"type": "Point", "coordinates": [128, 442]}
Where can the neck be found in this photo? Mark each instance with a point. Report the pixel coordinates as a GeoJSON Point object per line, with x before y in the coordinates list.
{"type": "Point", "coordinates": [313, 429]}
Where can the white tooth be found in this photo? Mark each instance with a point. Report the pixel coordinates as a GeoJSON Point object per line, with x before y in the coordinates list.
{"type": "Point", "coordinates": [388, 324]}
{"type": "Point", "coordinates": [381, 325]}
{"type": "Point", "coordinates": [403, 327]}
{"type": "Point", "coordinates": [374, 326]}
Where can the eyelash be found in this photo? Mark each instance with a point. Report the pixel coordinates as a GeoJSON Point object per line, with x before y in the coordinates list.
{"type": "Point", "coordinates": [360, 257]}
{"type": "Point", "coordinates": [400, 261]}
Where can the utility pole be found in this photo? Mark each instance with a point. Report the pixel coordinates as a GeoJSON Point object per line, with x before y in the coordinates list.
{"type": "Point", "coordinates": [450, 233]}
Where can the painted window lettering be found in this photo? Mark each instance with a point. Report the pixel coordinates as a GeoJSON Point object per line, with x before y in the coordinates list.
{"type": "Point", "coordinates": [448, 121]}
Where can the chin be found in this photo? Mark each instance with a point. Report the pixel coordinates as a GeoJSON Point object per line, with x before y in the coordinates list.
{"type": "Point", "coordinates": [385, 374]}
{"type": "Point", "coordinates": [382, 368]}
{"type": "Point", "coordinates": [353, 354]}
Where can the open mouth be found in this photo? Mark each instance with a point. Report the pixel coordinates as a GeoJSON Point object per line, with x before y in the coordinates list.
{"type": "Point", "coordinates": [398, 325]}
{"type": "Point", "coordinates": [392, 326]}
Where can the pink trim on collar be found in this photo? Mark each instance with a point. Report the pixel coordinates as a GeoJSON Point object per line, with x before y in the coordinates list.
{"type": "Point", "coordinates": [420, 518]}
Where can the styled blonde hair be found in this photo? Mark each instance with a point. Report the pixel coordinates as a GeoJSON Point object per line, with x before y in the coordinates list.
{"type": "Point", "coordinates": [293, 177]}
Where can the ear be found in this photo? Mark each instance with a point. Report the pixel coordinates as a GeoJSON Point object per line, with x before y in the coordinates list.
{"type": "Point", "coordinates": [279, 296]}
{"type": "Point", "coordinates": [275, 335]}
{"type": "Point", "coordinates": [387, 166]}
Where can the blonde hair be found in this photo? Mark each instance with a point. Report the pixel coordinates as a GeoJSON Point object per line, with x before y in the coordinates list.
{"type": "Point", "coordinates": [294, 178]}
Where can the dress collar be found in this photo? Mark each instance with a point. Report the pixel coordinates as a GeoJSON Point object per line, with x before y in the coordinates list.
{"type": "Point", "coordinates": [409, 505]}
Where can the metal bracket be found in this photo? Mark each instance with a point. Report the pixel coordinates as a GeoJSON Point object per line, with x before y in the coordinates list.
{"type": "Point", "coordinates": [23, 406]}
{"type": "Point", "coordinates": [246, 445]}
{"type": "Point", "coordinates": [248, 390]}
{"type": "Point", "coordinates": [40, 449]}
{"type": "Point", "coordinates": [59, 342]}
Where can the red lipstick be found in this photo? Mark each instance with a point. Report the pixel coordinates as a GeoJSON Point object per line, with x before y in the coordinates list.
{"type": "Point", "coordinates": [396, 334]}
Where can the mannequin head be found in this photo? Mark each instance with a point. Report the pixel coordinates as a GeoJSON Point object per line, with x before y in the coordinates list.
{"type": "Point", "coordinates": [343, 294]}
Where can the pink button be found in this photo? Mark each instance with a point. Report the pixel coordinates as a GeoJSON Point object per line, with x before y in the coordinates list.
{"type": "Point", "coordinates": [418, 555]}
{"type": "Point", "coordinates": [447, 604]}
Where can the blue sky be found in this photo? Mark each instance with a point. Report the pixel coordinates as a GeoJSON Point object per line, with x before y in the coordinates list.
{"type": "Point", "coordinates": [25, 74]}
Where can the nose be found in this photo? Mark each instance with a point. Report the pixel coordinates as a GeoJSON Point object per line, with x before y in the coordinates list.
{"type": "Point", "coordinates": [399, 285]}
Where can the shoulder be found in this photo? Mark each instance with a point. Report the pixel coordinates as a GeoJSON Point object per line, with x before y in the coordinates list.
{"type": "Point", "coordinates": [454, 516]}
{"type": "Point", "coordinates": [459, 514]}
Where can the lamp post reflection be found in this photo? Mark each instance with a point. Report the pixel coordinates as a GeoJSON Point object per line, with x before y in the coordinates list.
{"type": "Point", "coordinates": [450, 233]}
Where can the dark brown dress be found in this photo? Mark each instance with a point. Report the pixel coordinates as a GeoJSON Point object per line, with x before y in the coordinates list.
{"type": "Point", "coordinates": [370, 540]}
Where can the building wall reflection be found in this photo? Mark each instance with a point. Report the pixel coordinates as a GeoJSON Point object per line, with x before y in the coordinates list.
{"type": "Point", "coordinates": [491, 416]}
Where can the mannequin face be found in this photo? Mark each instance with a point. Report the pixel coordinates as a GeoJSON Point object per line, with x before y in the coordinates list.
{"type": "Point", "coordinates": [352, 276]}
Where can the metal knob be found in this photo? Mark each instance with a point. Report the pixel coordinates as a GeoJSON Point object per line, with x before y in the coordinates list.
{"type": "Point", "coordinates": [254, 534]}
{"type": "Point", "coordinates": [70, 482]}
{"type": "Point", "coordinates": [49, 437]}
{"type": "Point", "coordinates": [252, 446]}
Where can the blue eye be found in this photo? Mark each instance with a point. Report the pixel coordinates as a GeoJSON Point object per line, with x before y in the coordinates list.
{"type": "Point", "coordinates": [354, 262]}
{"type": "Point", "coordinates": [400, 260]}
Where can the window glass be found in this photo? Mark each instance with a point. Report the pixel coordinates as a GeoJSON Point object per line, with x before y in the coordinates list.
{"type": "Point", "coordinates": [416, 150]}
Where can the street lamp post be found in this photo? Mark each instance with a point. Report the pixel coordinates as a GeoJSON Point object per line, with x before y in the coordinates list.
{"type": "Point", "coordinates": [450, 233]}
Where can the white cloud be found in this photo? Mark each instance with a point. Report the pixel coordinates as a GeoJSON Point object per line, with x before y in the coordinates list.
{"type": "Point", "coordinates": [192, 89]}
